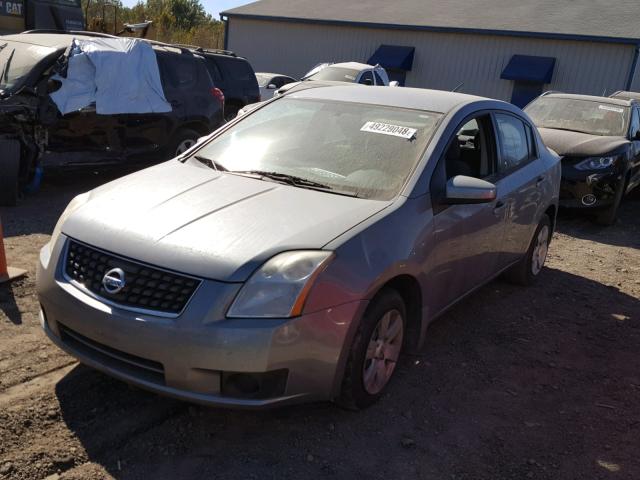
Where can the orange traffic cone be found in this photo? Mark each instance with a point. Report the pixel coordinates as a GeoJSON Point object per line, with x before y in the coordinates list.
{"type": "Point", "coordinates": [7, 273]}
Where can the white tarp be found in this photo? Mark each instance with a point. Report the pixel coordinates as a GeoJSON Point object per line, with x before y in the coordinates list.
{"type": "Point", "coordinates": [120, 75]}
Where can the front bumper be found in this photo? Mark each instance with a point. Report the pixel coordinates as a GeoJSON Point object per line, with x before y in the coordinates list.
{"type": "Point", "coordinates": [588, 189]}
{"type": "Point", "coordinates": [195, 356]}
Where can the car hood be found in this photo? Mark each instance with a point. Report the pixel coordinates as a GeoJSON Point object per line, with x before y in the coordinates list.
{"type": "Point", "coordinates": [566, 143]}
{"type": "Point", "coordinates": [192, 219]}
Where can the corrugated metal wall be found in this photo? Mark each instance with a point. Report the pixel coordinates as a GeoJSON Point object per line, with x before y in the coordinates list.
{"type": "Point", "coordinates": [442, 60]}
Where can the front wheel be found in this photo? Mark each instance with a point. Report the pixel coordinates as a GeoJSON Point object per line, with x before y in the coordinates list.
{"type": "Point", "coordinates": [375, 351]}
{"type": "Point", "coordinates": [609, 215]}
{"type": "Point", "coordinates": [9, 173]}
{"type": "Point", "coordinates": [527, 270]}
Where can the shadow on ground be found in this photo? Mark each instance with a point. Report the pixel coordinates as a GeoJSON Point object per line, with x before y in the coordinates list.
{"type": "Point", "coordinates": [537, 382]}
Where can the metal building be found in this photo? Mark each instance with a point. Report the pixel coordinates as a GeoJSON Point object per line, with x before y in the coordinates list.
{"type": "Point", "coordinates": [497, 48]}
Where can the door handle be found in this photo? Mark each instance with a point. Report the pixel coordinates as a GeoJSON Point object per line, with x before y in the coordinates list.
{"type": "Point", "coordinates": [539, 181]}
{"type": "Point", "coordinates": [499, 207]}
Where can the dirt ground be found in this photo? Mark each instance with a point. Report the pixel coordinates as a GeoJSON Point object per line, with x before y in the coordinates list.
{"type": "Point", "coordinates": [513, 383]}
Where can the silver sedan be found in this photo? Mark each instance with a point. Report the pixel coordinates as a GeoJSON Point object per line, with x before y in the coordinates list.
{"type": "Point", "coordinates": [299, 250]}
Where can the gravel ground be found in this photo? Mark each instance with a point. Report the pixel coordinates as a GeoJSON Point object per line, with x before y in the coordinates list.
{"type": "Point", "coordinates": [513, 383]}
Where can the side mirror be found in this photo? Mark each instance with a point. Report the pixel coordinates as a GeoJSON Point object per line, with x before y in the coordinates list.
{"type": "Point", "coordinates": [394, 83]}
{"type": "Point", "coordinates": [271, 86]}
{"type": "Point", "coordinates": [467, 190]}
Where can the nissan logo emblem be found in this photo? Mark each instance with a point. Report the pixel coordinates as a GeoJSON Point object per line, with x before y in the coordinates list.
{"type": "Point", "coordinates": [114, 281]}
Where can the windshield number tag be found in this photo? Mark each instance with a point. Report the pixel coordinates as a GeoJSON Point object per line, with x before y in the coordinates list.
{"type": "Point", "coordinates": [388, 129]}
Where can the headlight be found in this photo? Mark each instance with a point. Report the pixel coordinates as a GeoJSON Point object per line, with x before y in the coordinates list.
{"type": "Point", "coordinates": [74, 205]}
{"type": "Point", "coordinates": [596, 163]}
{"type": "Point", "coordinates": [280, 287]}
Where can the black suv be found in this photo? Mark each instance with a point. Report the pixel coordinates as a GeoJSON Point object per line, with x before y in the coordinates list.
{"type": "Point", "coordinates": [233, 75]}
{"type": "Point", "coordinates": [35, 135]}
{"type": "Point", "coordinates": [598, 139]}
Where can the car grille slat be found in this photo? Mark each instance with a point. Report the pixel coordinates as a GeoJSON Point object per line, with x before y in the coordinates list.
{"type": "Point", "coordinates": [146, 287]}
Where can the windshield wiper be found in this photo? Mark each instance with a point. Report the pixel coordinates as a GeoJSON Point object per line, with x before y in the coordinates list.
{"type": "Point", "coordinates": [285, 178]}
{"type": "Point", "coordinates": [211, 163]}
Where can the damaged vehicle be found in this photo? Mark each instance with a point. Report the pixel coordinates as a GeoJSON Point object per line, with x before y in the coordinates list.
{"type": "Point", "coordinates": [598, 139]}
{"type": "Point", "coordinates": [296, 252]}
{"type": "Point", "coordinates": [80, 98]}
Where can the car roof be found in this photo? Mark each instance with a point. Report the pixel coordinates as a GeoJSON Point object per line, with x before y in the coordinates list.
{"type": "Point", "coordinates": [626, 95]}
{"type": "Point", "coordinates": [593, 98]}
{"type": "Point", "coordinates": [351, 65]}
{"type": "Point", "coordinates": [54, 40]}
{"type": "Point", "coordinates": [402, 97]}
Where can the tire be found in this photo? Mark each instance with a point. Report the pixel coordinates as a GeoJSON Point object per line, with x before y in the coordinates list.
{"type": "Point", "coordinates": [231, 111]}
{"type": "Point", "coordinates": [182, 141]}
{"type": "Point", "coordinates": [609, 215]}
{"type": "Point", "coordinates": [9, 173]}
{"type": "Point", "coordinates": [527, 270]}
{"type": "Point", "coordinates": [359, 386]}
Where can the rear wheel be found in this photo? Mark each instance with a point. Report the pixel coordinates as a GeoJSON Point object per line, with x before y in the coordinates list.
{"type": "Point", "coordinates": [375, 351]}
{"type": "Point", "coordinates": [183, 141]}
{"type": "Point", "coordinates": [9, 173]}
{"type": "Point", "coordinates": [231, 111]}
{"type": "Point", "coordinates": [526, 271]}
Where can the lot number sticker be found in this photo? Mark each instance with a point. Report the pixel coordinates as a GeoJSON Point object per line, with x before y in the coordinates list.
{"type": "Point", "coordinates": [388, 129]}
{"type": "Point", "coordinates": [610, 109]}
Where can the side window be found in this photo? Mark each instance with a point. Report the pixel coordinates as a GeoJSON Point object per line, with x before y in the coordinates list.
{"type": "Point", "coordinates": [379, 80]}
{"type": "Point", "coordinates": [471, 151]}
{"type": "Point", "coordinates": [514, 144]}
{"type": "Point", "coordinates": [214, 71]}
{"type": "Point", "coordinates": [635, 123]}
{"type": "Point", "coordinates": [366, 78]}
{"type": "Point", "coordinates": [177, 71]}
{"type": "Point", "coordinates": [287, 80]}
{"type": "Point", "coordinates": [277, 81]}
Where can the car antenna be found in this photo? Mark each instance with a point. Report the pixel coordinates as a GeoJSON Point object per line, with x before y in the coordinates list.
{"type": "Point", "coordinates": [457, 87]}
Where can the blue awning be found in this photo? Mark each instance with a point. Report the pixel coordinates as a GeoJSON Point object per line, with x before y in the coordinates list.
{"type": "Point", "coordinates": [393, 57]}
{"type": "Point", "coordinates": [528, 68]}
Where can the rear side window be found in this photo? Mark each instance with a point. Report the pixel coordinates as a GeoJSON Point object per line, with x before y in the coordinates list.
{"type": "Point", "coordinates": [236, 68]}
{"type": "Point", "coordinates": [366, 78]}
{"type": "Point", "coordinates": [514, 142]}
{"type": "Point", "coordinates": [214, 71]}
{"type": "Point", "coordinates": [177, 71]}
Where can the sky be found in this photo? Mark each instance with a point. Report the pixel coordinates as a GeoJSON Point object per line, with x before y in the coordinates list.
{"type": "Point", "coordinates": [214, 7]}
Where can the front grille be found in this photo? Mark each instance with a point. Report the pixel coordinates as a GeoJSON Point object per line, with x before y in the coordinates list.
{"type": "Point", "coordinates": [146, 288]}
{"type": "Point", "coordinates": [132, 365]}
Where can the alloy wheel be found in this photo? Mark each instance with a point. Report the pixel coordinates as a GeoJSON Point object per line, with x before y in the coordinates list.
{"type": "Point", "coordinates": [185, 145]}
{"type": "Point", "coordinates": [383, 351]}
{"type": "Point", "coordinates": [540, 250]}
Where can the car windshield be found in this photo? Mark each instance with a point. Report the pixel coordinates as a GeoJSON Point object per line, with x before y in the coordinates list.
{"type": "Point", "coordinates": [17, 59]}
{"type": "Point", "coordinates": [586, 116]}
{"type": "Point", "coordinates": [263, 80]}
{"type": "Point", "coordinates": [367, 151]}
{"type": "Point", "coordinates": [336, 74]}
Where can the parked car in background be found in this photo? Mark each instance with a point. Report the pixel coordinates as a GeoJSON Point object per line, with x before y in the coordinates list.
{"type": "Point", "coordinates": [233, 75]}
{"type": "Point", "coordinates": [270, 82]}
{"type": "Point", "coordinates": [598, 139]}
{"type": "Point", "coordinates": [35, 67]}
{"type": "Point", "coordinates": [349, 72]}
{"type": "Point", "coordinates": [296, 252]}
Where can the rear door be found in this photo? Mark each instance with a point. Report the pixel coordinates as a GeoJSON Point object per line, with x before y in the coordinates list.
{"type": "Point", "coordinates": [522, 177]}
{"type": "Point", "coordinates": [634, 131]}
{"type": "Point", "coordinates": [468, 238]}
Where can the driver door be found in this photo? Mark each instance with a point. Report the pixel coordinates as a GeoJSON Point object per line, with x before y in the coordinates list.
{"type": "Point", "coordinates": [468, 238]}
